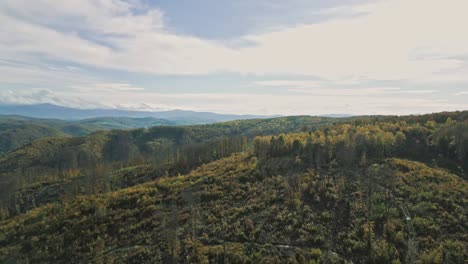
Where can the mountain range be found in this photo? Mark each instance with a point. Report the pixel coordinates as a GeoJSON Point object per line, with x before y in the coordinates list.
{"type": "Point", "coordinates": [16, 131]}
{"type": "Point", "coordinates": [67, 113]}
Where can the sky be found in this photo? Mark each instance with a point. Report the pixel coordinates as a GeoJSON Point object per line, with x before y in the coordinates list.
{"type": "Point", "coordinates": [241, 57]}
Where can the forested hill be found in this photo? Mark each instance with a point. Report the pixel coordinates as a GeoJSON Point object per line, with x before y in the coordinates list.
{"type": "Point", "coordinates": [17, 131]}
{"type": "Point", "coordinates": [382, 189]}
{"type": "Point", "coordinates": [53, 167]}
{"type": "Point", "coordinates": [127, 145]}
{"type": "Point", "coordinates": [428, 137]}
{"type": "Point", "coordinates": [394, 211]}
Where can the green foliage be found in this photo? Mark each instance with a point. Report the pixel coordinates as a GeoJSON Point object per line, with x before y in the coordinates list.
{"type": "Point", "coordinates": [361, 190]}
{"type": "Point", "coordinates": [444, 144]}
{"type": "Point", "coordinates": [250, 219]}
{"type": "Point", "coordinates": [168, 151]}
{"type": "Point", "coordinates": [17, 131]}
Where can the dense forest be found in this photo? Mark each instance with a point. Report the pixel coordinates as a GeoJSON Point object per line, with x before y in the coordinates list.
{"type": "Point", "coordinates": [377, 189]}
{"type": "Point", "coordinates": [51, 168]}
{"type": "Point", "coordinates": [17, 131]}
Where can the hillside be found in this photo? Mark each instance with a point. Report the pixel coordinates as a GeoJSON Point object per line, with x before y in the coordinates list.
{"type": "Point", "coordinates": [432, 138]}
{"type": "Point", "coordinates": [380, 189]}
{"type": "Point", "coordinates": [17, 131]}
{"type": "Point", "coordinates": [51, 169]}
{"type": "Point", "coordinates": [228, 209]}
{"type": "Point", "coordinates": [62, 162]}
{"type": "Point", "coordinates": [120, 145]}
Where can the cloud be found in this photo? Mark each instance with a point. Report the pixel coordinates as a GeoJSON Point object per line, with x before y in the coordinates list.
{"type": "Point", "coordinates": [346, 91]}
{"type": "Point", "coordinates": [289, 83]}
{"type": "Point", "coordinates": [108, 87]}
{"type": "Point", "coordinates": [417, 91]}
{"type": "Point", "coordinates": [360, 102]}
{"type": "Point", "coordinates": [112, 17]}
{"type": "Point", "coordinates": [383, 44]}
{"type": "Point", "coordinates": [337, 88]}
{"type": "Point", "coordinates": [41, 96]}
{"type": "Point", "coordinates": [41, 74]}
{"type": "Point", "coordinates": [62, 45]}
{"type": "Point", "coordinates": [395, 39]}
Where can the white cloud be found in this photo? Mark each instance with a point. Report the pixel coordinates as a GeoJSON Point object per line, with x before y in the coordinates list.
{"type": "Point", "coordinates": [337, 88]}
{"type": "Point", "coordinates": [41, 75]}
{"type": "Point", "coordinates": [411, 41]}
{"type": "Point", "coordinates": [96, 16]}
{"type": "Point", "coordinates": [346, 91]}
{"type": "Point", "coordinates": [417, 91]}
{"type": "Point", "coordinates": [108, 87]}
{"type": "Point", "coordinates": [40, 96]}
{"type": "Point", "coordinates": [462, 93]}
{"type": "Point", "coordinates": [288, 104]}
{"type": "Point", "coordinates": [289, 83]}
{"type": "Point", "coordinates": [397, 39]}
{"type": "Point", "coordinates": [379, 45]}
{"type": "Point", "coordinates": [359, 91]}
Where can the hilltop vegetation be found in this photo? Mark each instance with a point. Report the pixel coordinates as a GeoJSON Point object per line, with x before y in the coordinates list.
{"type": "Point", "coordinates": [63, 162]}
{"type": "Point", "coordinates": [285, 190]}
{"type": "Point", "coordinates": [433, 136]}
{"type": "Point", "coordinates": [17, 131]}
{"type": "Point", "coordinates": [125, 146]}
{"type": "Point", "coordinates": [230, 210]}
{"type": "Point", "coordinates": [439, 144]}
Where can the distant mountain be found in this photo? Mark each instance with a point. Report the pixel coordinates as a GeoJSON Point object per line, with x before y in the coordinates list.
{"type": "Point", "coordinates": [20, 136]}
{"type": "Point", "coordinates": [129, 122]}
{"type": "Point", "coordinates": [337, 115]}
{"type": "Point", "coordinates": [67, 113]}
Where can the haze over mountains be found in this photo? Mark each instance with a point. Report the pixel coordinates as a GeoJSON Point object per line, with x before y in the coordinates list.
{"type": "Point", "coordinates": [67, 113]}
{"type": "Point", "coordinates": [16, 131]}
{"type": "Point", "coordinates": [22, 124]}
